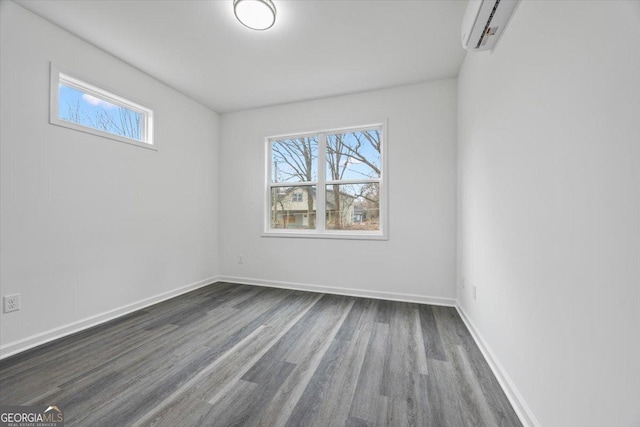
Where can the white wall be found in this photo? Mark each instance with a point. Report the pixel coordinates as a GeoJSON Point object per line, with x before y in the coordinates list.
{"type": "Point", "coordinates": [549, 208]}
{"type": "Point", "coordinates": [90, 225]}
{"type": "Point", "coordinates": [418, 260]}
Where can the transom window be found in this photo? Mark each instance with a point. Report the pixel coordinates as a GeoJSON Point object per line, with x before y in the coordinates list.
{"type": "Point", "coordinates": [79, 105]}
{"type": "Point", "coordinates": [327, 184]}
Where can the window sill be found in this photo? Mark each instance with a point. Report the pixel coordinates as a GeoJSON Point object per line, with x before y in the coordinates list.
{"type": "Point", "coordinates": [97, 132]}
{"type": "Point", "coordinates": [326, 235]}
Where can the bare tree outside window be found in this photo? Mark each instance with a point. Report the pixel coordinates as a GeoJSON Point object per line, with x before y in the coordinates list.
{"type": "Point", "coordinates": [295, 161]}
{"type": "Point", "coordinates": [354, 156]}
{"type": "Point", "coordinates": [350, 181]}
{"type": "Point", "coordinates": [78, 107]}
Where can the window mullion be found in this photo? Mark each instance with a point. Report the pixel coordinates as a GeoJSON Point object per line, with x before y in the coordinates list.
{"type": "Point", "coordinates": [293, 184]}
{"type": "Point", "coordinates": [321, 211]}
{"type": "Point", "coordinates": [353, 181]}
{"type": "Point", "coordinates": [268, 220]}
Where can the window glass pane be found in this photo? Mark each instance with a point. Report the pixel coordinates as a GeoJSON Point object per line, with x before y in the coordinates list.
{"type": "Point", "coordinates": [88, 110]}
{"type": "Point", "coordinates": [294, 160]}
{"type": "Point", "coordinates": [353, 155]}
{"type": "Point", "coordinates": [293, 207]}
{"type": "Point", "coordinates": [353, 206]}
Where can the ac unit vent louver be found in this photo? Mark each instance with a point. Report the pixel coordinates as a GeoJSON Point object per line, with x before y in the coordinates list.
{"type": "Point", "coordinates": [484, 22]}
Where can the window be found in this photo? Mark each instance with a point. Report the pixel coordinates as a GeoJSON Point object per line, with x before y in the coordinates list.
{"type": "Point", "coordinates": [82, 106]}
{"type": "Point", "coordinates": [327, 184]}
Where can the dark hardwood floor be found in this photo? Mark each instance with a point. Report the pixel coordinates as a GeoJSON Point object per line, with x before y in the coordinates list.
{"type": "Point", "coordinates": [242, 355]}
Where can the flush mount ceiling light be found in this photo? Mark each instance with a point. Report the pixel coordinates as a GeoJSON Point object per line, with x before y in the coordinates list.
{"type": "Point", "coordinates": [255, 14]}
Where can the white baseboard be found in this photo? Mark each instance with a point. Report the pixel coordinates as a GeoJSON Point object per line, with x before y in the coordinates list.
{"type": "Point", "coordinates": [517, 401]}
{"type": "Point", "coordinates": [391, 296]}
{"type": "Point", "coordinates": [53, 334]}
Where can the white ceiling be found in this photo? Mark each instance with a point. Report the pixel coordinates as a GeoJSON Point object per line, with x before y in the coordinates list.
{"type": "Point", "coordinates": [316, 48]}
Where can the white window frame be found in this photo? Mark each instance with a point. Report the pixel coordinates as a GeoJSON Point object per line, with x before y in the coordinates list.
{"type": "Point", "coordinates": [59, 76]}
{"type": "Point", "coordinates": [321, 232]}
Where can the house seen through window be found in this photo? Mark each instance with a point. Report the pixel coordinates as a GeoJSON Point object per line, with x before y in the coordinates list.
{"type": "Point", "coordinates": [327, 183]}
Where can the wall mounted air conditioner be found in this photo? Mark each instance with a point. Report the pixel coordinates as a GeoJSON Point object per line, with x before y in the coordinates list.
{"type": "Point", "coordinates": [484, 22]}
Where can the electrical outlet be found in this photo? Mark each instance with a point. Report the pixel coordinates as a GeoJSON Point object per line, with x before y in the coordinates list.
{"type": "Point", "coordinates": [240, 259]}
{"type": "Point", "coordinates": [11, 303]}
{"type": "Point", "coordinates": [475, 291]}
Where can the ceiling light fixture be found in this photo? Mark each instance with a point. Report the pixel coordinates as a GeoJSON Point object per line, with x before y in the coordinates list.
{"type": "Point", "coordinates": [255, 14]}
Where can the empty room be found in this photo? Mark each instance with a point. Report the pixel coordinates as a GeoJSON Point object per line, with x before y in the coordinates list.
{"type": "Point", "coordinates": [320, 213]}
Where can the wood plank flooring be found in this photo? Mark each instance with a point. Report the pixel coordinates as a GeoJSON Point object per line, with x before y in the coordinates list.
{"type": "Point", "coordinates": [235, 355]}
